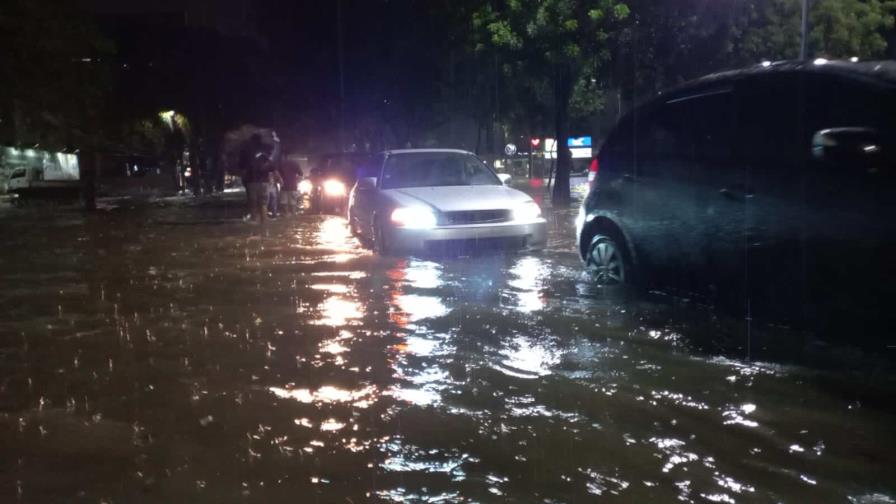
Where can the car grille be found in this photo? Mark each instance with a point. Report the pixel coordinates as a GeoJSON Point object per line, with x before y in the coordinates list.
{"type": "Point", "coordinates": [473, 246]}
{"type": "Point", "coordinates": [474, 217]}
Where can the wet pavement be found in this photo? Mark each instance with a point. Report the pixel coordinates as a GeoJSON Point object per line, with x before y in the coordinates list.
{"type": "Point", "coordinates": [177, 354]}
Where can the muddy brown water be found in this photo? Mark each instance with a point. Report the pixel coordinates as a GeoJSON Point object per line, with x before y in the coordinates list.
{"type": "Point", "coordinates": [180, 355]}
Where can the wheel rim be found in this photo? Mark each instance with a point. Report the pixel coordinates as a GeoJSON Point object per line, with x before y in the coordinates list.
{"type": "Point", "coordinates": [606, 262]}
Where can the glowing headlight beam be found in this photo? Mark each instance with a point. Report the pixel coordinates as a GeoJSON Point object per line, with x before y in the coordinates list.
{"type": "Point", "coordinates": [334, 188]}
{"type": "Point", "coordinates": [527, 212]}
{"type": "Point", "coordinates": [414, 218]}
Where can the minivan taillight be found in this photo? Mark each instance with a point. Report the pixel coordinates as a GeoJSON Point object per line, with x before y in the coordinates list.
{"type": "Point", "coordinates": [592, 171]}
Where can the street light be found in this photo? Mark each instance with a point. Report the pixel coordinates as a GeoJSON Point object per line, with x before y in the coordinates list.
{"type": "Point", "coordinates": [168, 117]}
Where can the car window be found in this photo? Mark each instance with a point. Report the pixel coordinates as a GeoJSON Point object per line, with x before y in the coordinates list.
{"type": "Point", "coordinates": [834, 102]}
{"type": "Point", "coordinates": [663, 133]}
{"type": "Point", "coordinates": [435, 169]}
{"type": "Point", "coordinates": [616, 153]}
{"type": "Point", "coordinates": [695, 128]}
{"type": "Point", "coordinates": [710, 116]}
{"type": "Point", "coordinates": [768, 118]}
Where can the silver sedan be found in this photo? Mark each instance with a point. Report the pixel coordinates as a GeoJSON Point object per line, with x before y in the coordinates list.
{"type": "Point", "coordinates": [439, 200]}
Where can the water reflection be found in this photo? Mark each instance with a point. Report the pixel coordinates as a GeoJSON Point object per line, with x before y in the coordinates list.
{"type": "Point", "coordinates": [528, 359]}
{"type": "Point", "coordinates": [422, 382]}
{"type": "Point", "coordinates": [360, 398]}
{"type": "Point", "coordinates": [339, 311]}
{"type": "Point", "coordinates": [418, 275]}
{"type": "Point", "coordinates": [529, 274]}
{"type": "Point", "coordinates": [423, 274]}
{"type": "Point", "coordinates": [333, 234]}
{"type": "Point", "coordinates": [398, 380]}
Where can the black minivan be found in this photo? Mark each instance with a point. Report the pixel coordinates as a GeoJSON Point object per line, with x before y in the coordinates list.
{"type": "Point", "coordinates": [770, 190]}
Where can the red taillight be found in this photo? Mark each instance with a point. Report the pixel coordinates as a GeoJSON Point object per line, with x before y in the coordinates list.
{"type": "Point", "coordinates": [592, 171]}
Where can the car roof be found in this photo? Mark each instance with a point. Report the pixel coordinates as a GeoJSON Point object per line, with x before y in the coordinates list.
{"type": "Point", "coordinates": [349, 155]}
{"type": "Point", "coordinates": [882, 72]}
{"type": "Point", "coordinates": [412, 151]}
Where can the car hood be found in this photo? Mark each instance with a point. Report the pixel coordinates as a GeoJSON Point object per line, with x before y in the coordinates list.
{"type": "Point", "coordinates": [459, 198]}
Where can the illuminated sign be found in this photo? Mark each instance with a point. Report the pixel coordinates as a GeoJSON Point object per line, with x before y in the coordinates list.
{"type": "Point", "coordinates": [576, 142]}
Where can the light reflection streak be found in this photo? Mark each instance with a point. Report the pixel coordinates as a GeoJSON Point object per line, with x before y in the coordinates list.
{"type": "Point", "coordinates": [530, 274]}
{"type": "Point", "coordinates": [528, 359]}
{"type": "Point", "coordinates": [409, 458]}
{"type": "Point", "coordinates": [421, 307]}
{"type": "Point", "coordinates": [338, 311]}
{"type": "Point", "coordinates": [424, 274]}
{"type": "Point", "coordinates": [334, 288]}
{"type": "Point", "coordinates": [598, 484]}
{"type": "Point", "coordinates": [334, 234]}
{"type": "Point", "coordinates": [331, 425]}
{"type": "Point", "coordinates": [333, 346]}
{"type": "Point", "coordinates": [408, 308]}
{"type": "Point", "coordinates": [327, 394]}
{"type": "Point", "coordinates": [736, 416]}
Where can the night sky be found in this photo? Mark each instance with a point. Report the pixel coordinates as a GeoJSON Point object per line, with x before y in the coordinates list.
{"type": "Point", "coordinates": [276, 62]}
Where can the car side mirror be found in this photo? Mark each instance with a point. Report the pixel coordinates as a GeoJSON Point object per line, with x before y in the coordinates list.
{"type": "Point", "coordinates": [504, 178]}
{"type": "Point", "coordinates": [367, 183]}
{"type": "Point", "coordinates": [864, 146]}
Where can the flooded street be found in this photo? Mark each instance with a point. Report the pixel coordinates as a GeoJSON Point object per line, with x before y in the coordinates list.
{"type": "Point", "coordinates": [177, 354]}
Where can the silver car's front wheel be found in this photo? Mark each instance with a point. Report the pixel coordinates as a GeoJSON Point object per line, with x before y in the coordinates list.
{"type": "Point", "coordinates": [605, 261]}
{"type": "Point", "coordinates": [380, 241]}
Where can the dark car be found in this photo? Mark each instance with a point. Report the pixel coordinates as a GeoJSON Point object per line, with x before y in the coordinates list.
{"type": "Point", "coordinates": [332, 177]}
{"type": "Point", "coordinates": [768, 190]}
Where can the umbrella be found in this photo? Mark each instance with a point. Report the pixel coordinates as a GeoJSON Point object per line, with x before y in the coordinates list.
{"type": "Point", "coordinates": [235, 139]}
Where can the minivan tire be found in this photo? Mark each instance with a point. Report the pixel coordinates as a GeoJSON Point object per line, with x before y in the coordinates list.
{"type": "Point", "coordinates": [606, 261]}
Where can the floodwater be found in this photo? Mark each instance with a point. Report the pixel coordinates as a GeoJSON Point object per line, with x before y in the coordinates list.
{"type": "Point", "coordinates": [178, 354]}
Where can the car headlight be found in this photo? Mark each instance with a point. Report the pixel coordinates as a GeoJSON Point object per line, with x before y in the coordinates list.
{"type": "Point", "coordinates": [334, 188]}
{"type": "Point", "coordinates": [414, 218]}
{"type": "Point", "coordinates": [528, 211]}
{"type": "Point", "coordinates": [305, 186]}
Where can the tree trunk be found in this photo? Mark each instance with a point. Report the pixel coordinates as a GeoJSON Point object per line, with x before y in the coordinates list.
{"type": "Point", "coordinates": [563, 93]}
{"type": "Point", "coordinates": [87, 167]}
{"type": "Point", "coordinates": [216, 164]}
{"type": "Point", "coordinates": [196, 171]}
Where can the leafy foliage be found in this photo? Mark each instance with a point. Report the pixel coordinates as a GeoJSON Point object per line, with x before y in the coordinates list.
{"type": "Point", "coordinates": [560, 45]}
{"type": "Point", "coordinates": [53, 78]}
{"type": "Point", "coordinates": [838, 29]}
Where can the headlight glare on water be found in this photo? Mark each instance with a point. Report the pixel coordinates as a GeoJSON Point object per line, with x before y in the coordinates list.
{"type": "Point", "coordinates": [527, 212]}
{"type": "Point", "coordinates": [414, 218]}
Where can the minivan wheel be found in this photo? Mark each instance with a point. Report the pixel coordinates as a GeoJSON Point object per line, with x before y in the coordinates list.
{"type": "Point", "coordinates": [605, 261]}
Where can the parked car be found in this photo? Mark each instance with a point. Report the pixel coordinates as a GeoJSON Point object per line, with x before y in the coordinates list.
{"type": "Point", "coordinates": [440, 201]}
{"type": "Point", "coordinates": [769, 190]}
{"type": "Point", "coordinates": [332, 177]}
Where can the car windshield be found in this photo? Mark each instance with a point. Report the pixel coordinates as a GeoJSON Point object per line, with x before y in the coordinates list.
{"type": "Point", "coordinates": [436, 169]}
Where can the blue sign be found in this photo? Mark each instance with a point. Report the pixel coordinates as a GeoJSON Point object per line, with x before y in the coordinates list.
{"type": "Point", "coordinates": [584, 141]}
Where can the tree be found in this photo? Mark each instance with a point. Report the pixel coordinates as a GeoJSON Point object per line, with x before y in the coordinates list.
{"type": "Point", "coordinates": [559, 42]}
{"type": "Point", "coordinates": [53, 81]}
{"type": "Point", "coordinates": [838, 29]}
{"type": "Point", "coordinates": [53, 75]}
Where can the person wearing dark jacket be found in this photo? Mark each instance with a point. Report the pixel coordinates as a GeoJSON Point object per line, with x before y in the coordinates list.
{"type": "Point", "coordinates": [291, 173]}
{"type": "Point", "coordinates": [255, 167]}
